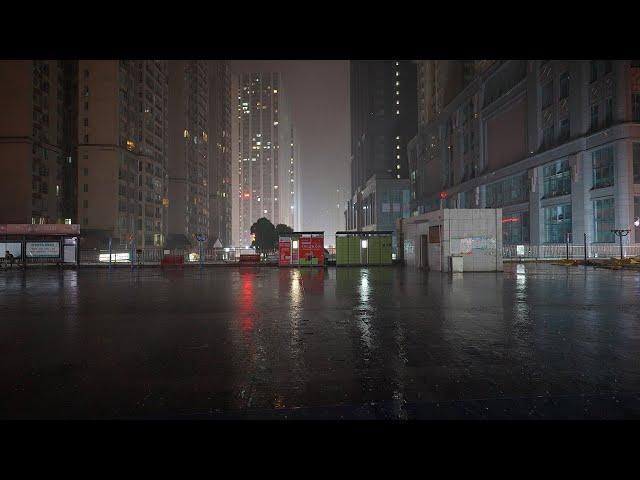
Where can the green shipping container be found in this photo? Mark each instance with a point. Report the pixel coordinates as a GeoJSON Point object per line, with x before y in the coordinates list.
{"type": "Point", "coordinates": [354, 250]}
{"type": "Point", "coordinates": [374, 250]}
{"type": "Point", "coordinates": [385, 250]}
{"type": "Point", "coordinates": [342, 250]}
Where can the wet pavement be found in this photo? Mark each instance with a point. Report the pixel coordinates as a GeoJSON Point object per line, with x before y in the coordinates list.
{"type": "Point", "coordinates": [537, 341]}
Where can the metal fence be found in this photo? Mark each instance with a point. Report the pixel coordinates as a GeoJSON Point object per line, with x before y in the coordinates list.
{"type": "Point", "coordinates": [153, 256]}
{"type": "Point", "coordinates": [560, 251]}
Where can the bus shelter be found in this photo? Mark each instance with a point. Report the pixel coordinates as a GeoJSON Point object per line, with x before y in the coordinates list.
{"type": "Point", "coordinates": [364, 248]}
{"type": "Point", "coordinates": [41, 243]}
{"type": "Point", "coordinates": [301, 249]}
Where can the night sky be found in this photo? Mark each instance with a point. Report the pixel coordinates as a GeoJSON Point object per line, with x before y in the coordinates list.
{"type": "Point", "coordinates": [318, 93]}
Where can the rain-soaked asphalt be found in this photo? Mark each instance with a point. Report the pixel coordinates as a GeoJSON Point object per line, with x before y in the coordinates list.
{"type": "Point", "coordinates": [537, 341]}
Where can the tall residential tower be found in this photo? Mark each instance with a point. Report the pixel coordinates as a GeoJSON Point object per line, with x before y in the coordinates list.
{"type": "Point", "coordinates": [220, 176]}
{"type": "Point", "coordinates": [383, 120]}
{"type": "Point", "coordinates": [122, 151]}
{"type": "Point", "coordinates": [188, 151]}
{"type": "Point", "coordinates": [38, 157]}
{"type": "Point", "coordinates": [263, 144]}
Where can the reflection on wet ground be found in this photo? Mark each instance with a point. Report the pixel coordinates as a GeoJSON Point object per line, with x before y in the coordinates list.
{"type": "Point", "coordinates": [539, 341]}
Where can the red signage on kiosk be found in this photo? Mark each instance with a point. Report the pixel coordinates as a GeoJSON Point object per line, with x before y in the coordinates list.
{"type": "Point", "coordinates": [301, 249]}
{"type": "Point", "coordinates": [285, 251]}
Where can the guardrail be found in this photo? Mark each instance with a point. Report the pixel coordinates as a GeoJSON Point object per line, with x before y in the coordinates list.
{"type": "Point", "coordinates": [560, 251]}
{"type": "Point", "coordinates": [155, 255]}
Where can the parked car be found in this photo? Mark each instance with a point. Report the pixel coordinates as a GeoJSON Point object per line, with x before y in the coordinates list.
{"type": "Point", "coordinates": [273, 258]}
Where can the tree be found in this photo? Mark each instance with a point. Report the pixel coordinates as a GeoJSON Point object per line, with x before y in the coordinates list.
{"type": "Point", "coordinates": [282, 229]}
{"type": "Point", "coordinates": [266, 238]}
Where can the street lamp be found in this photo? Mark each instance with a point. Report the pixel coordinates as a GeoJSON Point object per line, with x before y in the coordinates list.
{"type": "Point", "coordinates": [621, 233]}
{"type": "Point", "coordinates": [201, 237]}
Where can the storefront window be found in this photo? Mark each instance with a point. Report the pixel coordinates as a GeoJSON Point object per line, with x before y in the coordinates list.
{"type": "Point", "coordinates": [557, 223]}
{"type": "Point", "coordinates": [604, 220]}
{"type": "Point", "coordinates": [515, 228]}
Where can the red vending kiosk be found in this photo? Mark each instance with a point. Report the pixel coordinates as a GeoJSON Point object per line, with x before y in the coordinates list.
{"type": "Point", "coordinates": [302, 249]}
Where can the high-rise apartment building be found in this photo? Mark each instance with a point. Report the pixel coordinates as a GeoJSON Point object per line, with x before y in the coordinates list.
{"type": "Point", "coordinates": [122, 151]}
{"type": "Point", "coordinates": [263, 136]}
{"type": "Point", "coordinates": [188, 151]}
{"type": "Point", "coordinates": [554, 143]}
{"type": "Point", "coordinates": [292, 209]}
{"type": "Point", "coordinates": [220, 162]}
{"type": "Point", "coordinates": [289, 181]}
{"type": "Point", "coordinates": [383, 119]}
{"type": "Point", "coordinates": [37, 143]}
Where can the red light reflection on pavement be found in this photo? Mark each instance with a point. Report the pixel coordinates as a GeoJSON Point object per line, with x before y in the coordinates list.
{"type": "Point", "coordinates": [247, 310]}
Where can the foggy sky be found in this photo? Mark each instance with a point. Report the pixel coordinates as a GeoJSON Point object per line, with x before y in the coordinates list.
{"type": "Point", "coordinates": [318, 92]}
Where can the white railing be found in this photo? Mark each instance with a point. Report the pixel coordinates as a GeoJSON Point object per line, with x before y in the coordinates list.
{"type": "Point", "coordinates": [560, 251]}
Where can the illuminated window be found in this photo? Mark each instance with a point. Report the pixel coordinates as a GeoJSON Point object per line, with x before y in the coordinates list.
{"type": "Point", "coordinates": [397, 112]}
{"type": "Point", "coordinates": [398, 167]}
{"type": "Point", "coordinates": [294, 244]}
{"type": "Point", "coordinates": [365, 243]}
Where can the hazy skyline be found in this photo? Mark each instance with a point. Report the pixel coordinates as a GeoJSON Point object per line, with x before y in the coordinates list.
{"type": "Point", "coordinates": [318, 92]}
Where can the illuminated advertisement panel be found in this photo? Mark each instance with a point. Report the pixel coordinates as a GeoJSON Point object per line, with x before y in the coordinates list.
{"type": "Point", "coordinates": [285, 251]}
{"type": "Point", "coordinates": [14, 248]}
{"type": "Point", "coordinates": [311, 249]}
{"type": "Point", "coordinates": [42, 249]}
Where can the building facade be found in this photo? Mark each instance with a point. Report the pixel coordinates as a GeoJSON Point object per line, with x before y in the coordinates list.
{"type": "Point", "coordinates": [122, 151]}
{"type": "Point", "coordinates": [188, 151]}
{"type": "Point", "coordinates": [383, 119]}
{"type": "Point", "coordinates": [292, 210]}
{"type": "Point", "coordinates": [38, 155]}
{"type": "Point", "coordinates": [554, 143]}
{"type": "Point", "coordinates": [263, 145]}
{"type": "Point", "coordinates": [220, 174]}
